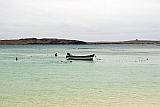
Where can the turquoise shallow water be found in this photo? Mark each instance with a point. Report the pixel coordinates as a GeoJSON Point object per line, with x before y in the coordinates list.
{"type": "Point", "coordinates": [124, 75]}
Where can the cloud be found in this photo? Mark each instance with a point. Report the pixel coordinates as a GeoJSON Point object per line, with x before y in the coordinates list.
{"type": "Point", "coordinates": [91, 20]}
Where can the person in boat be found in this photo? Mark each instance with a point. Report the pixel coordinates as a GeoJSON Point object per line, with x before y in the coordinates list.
{"type": "Point", "coordinates": [16, 58]}
{"type": "Point", "coordinates": [68, 54]}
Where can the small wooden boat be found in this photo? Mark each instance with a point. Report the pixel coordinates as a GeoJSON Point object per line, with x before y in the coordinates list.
{"type": "Point", "coordinates": [79, 57]}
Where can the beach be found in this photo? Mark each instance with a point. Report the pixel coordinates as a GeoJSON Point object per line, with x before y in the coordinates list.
{"type": "Point", "coordinates": [122, 75]}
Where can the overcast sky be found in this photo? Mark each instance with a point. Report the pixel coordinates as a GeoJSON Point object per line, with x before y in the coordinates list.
{"type": "Point", "coordinates": [88, 20]}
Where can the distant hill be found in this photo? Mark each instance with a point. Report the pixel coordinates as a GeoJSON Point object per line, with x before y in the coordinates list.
{"type": "Point", "coordinates": [26, 41]}
{"type": "Point", "coordinates": [40, 41]}
{"type": "Point", "coordinates": [128, 42]}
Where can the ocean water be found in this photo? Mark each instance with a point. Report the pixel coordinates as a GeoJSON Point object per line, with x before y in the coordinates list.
{"type": "Point", "coordinates": [119, 76]}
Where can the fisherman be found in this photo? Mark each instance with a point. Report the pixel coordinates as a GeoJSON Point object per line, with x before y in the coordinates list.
{"type": "Point", "coordinates": [56, 54]}
{"type": "Point", "coordinates": [16, 58]}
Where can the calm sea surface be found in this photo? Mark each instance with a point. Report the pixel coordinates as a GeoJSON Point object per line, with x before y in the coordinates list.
{"type": "Point", "coordinates": [119, 76]}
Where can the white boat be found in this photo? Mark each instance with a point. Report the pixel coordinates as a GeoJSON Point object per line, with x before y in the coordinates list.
{"type": "Point", "coordinates": [79, 57]}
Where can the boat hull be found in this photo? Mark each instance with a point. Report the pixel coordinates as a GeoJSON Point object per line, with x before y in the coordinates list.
{"type": "Point", "coordinates": [73, 57]}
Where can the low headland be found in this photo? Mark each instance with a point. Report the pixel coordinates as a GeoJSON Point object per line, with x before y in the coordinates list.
{"type": "Point", "coordinates": [27, 41]}
{"type": "Point", "coordinates": [129, 42]}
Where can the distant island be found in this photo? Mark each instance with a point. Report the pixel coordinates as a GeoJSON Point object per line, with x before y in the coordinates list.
{"type": "Point", "coordinates": [27, 41]}
{"type": "Point", "coordinates": [129, 42]}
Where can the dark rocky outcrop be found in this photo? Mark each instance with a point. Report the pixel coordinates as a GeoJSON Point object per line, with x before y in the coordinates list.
{"type": "Point", "coordinates": [41, 41]}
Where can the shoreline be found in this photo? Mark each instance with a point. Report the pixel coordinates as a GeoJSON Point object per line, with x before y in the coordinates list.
{"type": "Point", "coordinates": [27, 41]}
